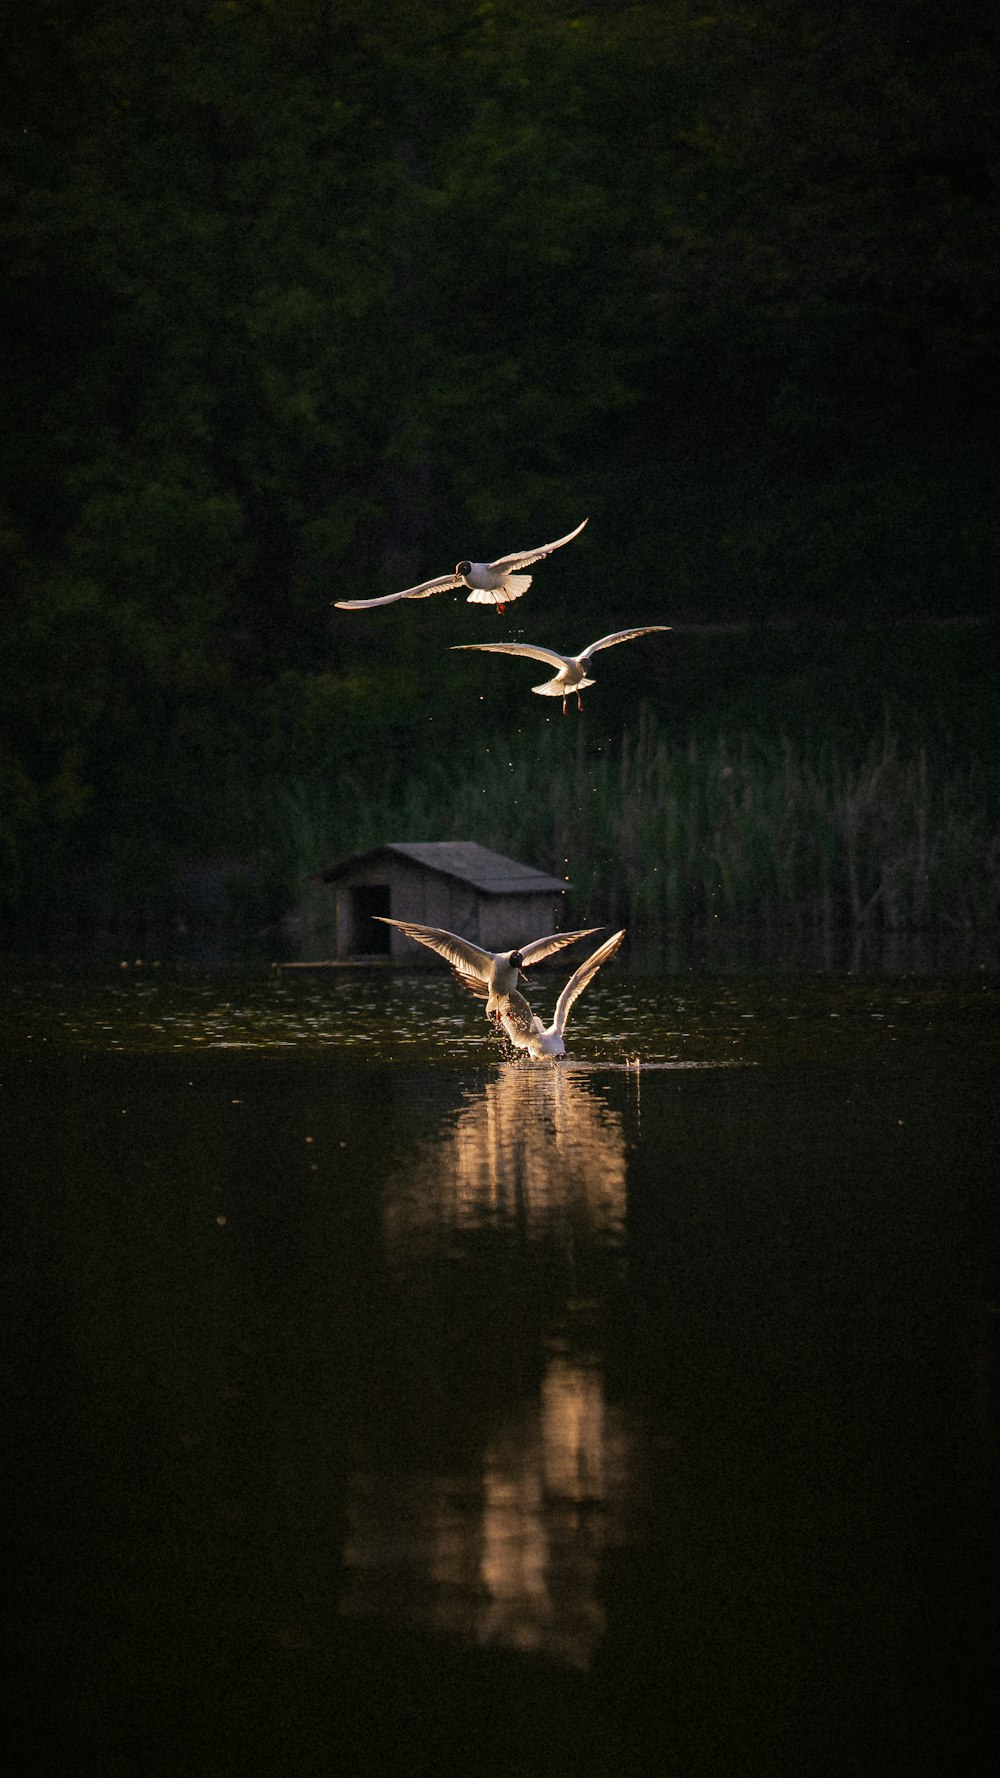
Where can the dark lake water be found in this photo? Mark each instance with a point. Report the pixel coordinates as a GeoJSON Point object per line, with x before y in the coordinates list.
{"type": "Point", "coordinates": [377, 1403]}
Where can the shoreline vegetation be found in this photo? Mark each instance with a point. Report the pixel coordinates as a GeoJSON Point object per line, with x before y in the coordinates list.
{"type": "Point", "coordinates": [812, 789]}
{"type": "Point", "coordinates": [827, 845]}
{"type": "Point", "coordinates": [767, 834]}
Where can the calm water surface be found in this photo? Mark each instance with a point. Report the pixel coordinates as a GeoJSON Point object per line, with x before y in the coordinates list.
{"type": "Point", "coordinates": [380, 1403]}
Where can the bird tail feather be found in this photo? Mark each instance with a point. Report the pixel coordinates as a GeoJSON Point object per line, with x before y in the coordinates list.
{"type": "Point", "coordinates": [556, 688]}
{"type": "Point", "coordinates": [513, 587]}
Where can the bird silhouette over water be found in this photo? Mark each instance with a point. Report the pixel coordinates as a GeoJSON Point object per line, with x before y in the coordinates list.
{"type": "Point", "coordinates": [493, 975]}
{"type": "Point", "coordinates": [525, 1028]}
{"type": "Point", "coordinates": [571, 669]}
{"type": "Point", "coordinates": [490, 583]}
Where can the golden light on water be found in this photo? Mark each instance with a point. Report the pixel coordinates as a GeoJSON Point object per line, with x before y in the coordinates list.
{"type": "Point", "coordinates": [496, 1162]}
{"type": "Point", "coordinates": [509, 1553]}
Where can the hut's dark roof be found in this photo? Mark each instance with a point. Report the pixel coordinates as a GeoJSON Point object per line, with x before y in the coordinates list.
{"type": "Point", "coordinates": [489, 872]}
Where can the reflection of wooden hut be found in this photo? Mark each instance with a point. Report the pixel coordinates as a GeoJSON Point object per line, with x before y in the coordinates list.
{"type": "Point", "coordinates": [456, 884]}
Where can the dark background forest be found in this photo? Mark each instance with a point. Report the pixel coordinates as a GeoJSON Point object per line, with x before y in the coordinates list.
{"type": "Point", "coordinates": [305, 301]}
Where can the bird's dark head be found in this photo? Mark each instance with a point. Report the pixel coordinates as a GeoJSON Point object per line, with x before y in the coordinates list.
{"type": "Point", "coordinates": [463, 567]}
{"type": "Point", "coordinates": [515, 959]}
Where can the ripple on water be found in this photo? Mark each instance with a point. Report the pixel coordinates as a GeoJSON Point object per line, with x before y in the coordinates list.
{"type": "Point", "coordinates": [620, 1024]}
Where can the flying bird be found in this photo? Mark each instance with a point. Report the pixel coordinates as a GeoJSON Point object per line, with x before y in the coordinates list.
{"type": "Point", "coordinates": [525, 1028]}
{"type": "Point", "coordinates": [490, 583]}
{"type": "Point", "coordinates": [490, 974]}
{"type": "Point", "coordinates": [571, 669]}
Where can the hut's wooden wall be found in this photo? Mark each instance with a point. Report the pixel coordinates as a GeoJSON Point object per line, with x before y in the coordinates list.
{"type": "Point", "coordinates": [494, 921]}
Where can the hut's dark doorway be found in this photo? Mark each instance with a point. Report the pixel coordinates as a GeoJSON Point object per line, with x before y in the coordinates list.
{"type": "Point", "coordinates": [368, 936]}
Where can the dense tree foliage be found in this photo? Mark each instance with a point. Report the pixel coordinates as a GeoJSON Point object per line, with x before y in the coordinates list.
{"type": "Point", "coordinates": [307, 299]}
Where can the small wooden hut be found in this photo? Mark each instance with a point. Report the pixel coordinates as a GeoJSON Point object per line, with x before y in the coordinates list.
{"type": "Point", "coordinates": [495, 901]}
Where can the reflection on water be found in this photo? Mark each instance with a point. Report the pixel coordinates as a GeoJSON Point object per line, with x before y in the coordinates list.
{"type": "Point", "coordinates": [534, 1149]}
{"type": "Point", "coordinates": [379, 1406]}
{"type": "Point", "coordinates": [510, 1554]}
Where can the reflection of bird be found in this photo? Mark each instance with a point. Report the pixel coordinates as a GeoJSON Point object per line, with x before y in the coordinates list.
{"type": "Point", "coordinates": [572, 669]}
{"type": "Point", "coordinates": [490, 974]}
{"type": "Point", "coordinates": [525, 1028]}
{"type": "Point", "coordinates": [491, 583]}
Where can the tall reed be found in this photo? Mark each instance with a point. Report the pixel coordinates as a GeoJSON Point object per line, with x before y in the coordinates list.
{"type": "Point", "coordinates": [656, 834]}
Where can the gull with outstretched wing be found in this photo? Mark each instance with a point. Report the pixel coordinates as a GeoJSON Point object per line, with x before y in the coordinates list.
{"type": "Point", "coordinates": [571, 669]}
{"type": "Point", "coordinates": [490, 974]}
{"type": "Point", "coordinates": [490, 583]}
{"type": "Point", "coordinates": [525, 1028]}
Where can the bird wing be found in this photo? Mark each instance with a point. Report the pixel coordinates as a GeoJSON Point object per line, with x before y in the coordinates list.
{"type": "Point", "coordinates": [518, 1008]}
{"type": "Point", "coordinates": [465, 958]}
{"type": "Point", "coordinates": [423, 591]}
{"type": "Point", "coordinates": [548, 655]}
{"type": "Point", "coordinates": [475, 984]}
{"type": "Point", "coordinates": [544, 947]}
{"type": "Point", "coordinates": [577, 982]}
{"type": "Point", "coordinates": [517, 1018]}
{"type": "Point", "coordinates": [622, 636]}
{"type": "Point", "coordinates": [523, 558]}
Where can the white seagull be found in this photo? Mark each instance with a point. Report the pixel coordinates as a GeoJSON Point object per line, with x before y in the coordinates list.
{"type": "Point", "coordinates": [571, 669]}
{"type": "Point", "coordinates": [525, 1028]}
{"type": "Point", "coordinates": [491, 583]}
{"type": "Point", "coordinates": [490, 974]}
